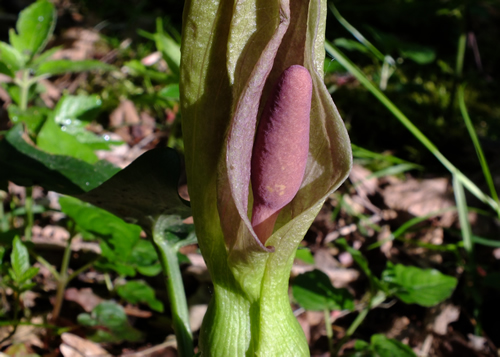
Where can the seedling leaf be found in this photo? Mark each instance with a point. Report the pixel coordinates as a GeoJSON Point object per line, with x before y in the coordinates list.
{"type": "Point", "coordinates": [111, 323]}
{"type": "Point", "coordinates": [139, 292]}
{"type": "Point", "coordinates": [11, 58]}
{"type": "Point", "coordinates": [389, 347]}
{"type": "Point", "coordinates": [425, 287]}
{"type": "Point", "coordinates": [314, 291]}
{"type": "Point", "coordinates": [19, 259]}
{"type": "Point", "coordinates": [34, 28]}
{"type": "Point", "coordinates": [55, 141]}
{"type": "Point", "coordinates": [32, 117]}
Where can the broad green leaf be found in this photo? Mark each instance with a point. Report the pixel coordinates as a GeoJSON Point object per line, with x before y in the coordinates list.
{"type": "Point", "coordinates": [425, 287]}
{"type": "Point", "coordinates": [33, 117]}
{"type": "Point", "coordinates": [389, 347]}
{"type": "Point", "coordinates": [169, 48]}
{"type": "Point", "coordinates": [144, 190]}
{"type": "Point", "coordinates": [113, 262]}
{"type": "Point", "coordinates": [26, 165]}
{"type": "Point", "coordinates": [304, 255]}
{"type": "Point", "coordinates": [54, 140]}
{"type": "Point", "coordinates": [43, 57]}
{"type": "Point", "coordinates": [170, 92]}
{"type": "Point", "coordinates": [120, 236]}
{"type": "Point", "coordinates": [361, 345]}
{"type": "Point", "coordinates": [5, 70]}
{"type": "Point", "coordinates": [11, 58]}
{"type": "Point", "coordinates": [121, 246]}
{"type": "Point", "coordinates": [136, 68]}
{"type": "Point", "coordinates": [73, 113]}
{"type": "Point", "coordinates": [139, 292]}
{"type": "Point", "coordinates": [144, 258]}
{"type": "Point", "coordinates": [155, 269]}
{"type": "Point", "coordinates": [66, 66]}
{"type": "Point", "coordinates": [19, 258]}
{"type": "Point", "coordinates": [14, 92]}
{"type": "Point", "coordinates": [76, 107]}
{"type": "Point", "coordinates": [110, 323]}
{"type": "Point", "coordinates": [314, 291]}
{"type": "Point", "coordinates": [28, 274]}
{"type": "Point", "coordinates": [417, 53]}
{"type": "Point", "coordinates": [34, 28]}
{"type": "Point", "coordinates": [2, 253]}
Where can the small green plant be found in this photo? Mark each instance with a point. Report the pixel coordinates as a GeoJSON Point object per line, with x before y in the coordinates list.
{"type": "Point", "coordinates": [412, 285]}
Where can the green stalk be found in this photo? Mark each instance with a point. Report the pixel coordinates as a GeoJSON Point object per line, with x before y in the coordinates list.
{"type": "Point", "coordinates": [362, 39]}
{"type": "Point", "coordinates": [63, 280]}
{"type": "Point", "coordinates": [28, 206]}
{"type": "Point", "coordinates": [329, 331]}
{"type": "Point", "coordinates": [477, 145]}
{"type": "Point", "coordinates": [360, 76]}
{"type": "Point", "coordinates": [24, 84]}
{"type": "Point", "coordinates": [167, 254]}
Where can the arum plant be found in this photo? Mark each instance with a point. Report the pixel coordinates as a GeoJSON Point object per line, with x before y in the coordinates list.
{"type": "Point", "coordinates": [265, 146]}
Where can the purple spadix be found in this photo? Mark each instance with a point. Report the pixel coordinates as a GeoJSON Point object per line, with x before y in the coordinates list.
{"type": "Point", "coordinates": [281, 148]}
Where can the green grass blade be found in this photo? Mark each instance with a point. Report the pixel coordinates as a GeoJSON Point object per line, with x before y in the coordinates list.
{"type": "Point", "coordinates": [475, 140]}
{"type": "Point", "coordinates": [463, 213]}
{"type": "Point", "coordinates": [355, 32]}
{"type": "Point", "coordinates": [462, 42]}
{"type": "Point", "coordinates": [360, 76]}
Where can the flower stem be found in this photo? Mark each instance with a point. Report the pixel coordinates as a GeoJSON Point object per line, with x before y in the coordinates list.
{"type": "Point", "coordinates": [167, 254]}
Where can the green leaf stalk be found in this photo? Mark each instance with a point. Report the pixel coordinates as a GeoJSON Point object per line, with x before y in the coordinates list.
{"type": "Point", "coordinates": [233, 53]}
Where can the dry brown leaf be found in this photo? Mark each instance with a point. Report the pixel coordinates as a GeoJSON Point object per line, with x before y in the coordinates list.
{"type": "Point", "coordinates": [122, 117]}
{"type": "Point", "coordinates": [84, 297]}
{"type": "Point", "coordinates": [74, 346]}
{"type": "Point", "coordinates": [364, 184]}
{"type": "Point", "coordinates": [340, 277]}
{"type": "Point", "coordinates": [442, 316]}
{"type": "Point", "coordinates": [80, 44]}
{"type": "Point", "coordinates": [420, 197]}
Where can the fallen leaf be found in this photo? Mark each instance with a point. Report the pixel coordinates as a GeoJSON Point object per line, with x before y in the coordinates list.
{"type": "Point", "coordinates": [74, 346]}
{"type": "Point", "coordinates": [84, 297]}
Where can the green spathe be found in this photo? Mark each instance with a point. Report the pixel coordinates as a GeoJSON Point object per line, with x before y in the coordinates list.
{"type": "Point", "coordinates": [232, 54]}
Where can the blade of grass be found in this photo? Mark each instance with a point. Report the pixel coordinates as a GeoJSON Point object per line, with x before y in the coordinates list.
{"type": "Point", "coordinates": [463, 213]}
{"type": "Point", "coordinates": [361, 153]}
{"type": "Point", "coordinates": [395, 170]}
{"type": "Point", "coordinates": [360, 76]}
{"type": "Point", "coordinates": [462, 42]}
{"type": "Point", "coordinates": [407, 225]}
{"type": "Point", "coordinates": [475, 140]}
{"type": "Point", "coordinates": [362, 39]}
